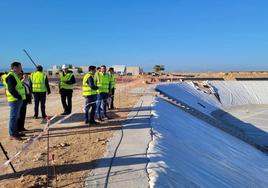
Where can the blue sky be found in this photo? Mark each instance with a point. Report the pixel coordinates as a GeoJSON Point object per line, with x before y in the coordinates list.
{"type": "Point", "coordinates": [184, 35]}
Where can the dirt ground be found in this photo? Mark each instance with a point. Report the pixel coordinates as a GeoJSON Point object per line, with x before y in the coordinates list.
{"type": "Point", "coordinates": [73, 146]}
{"type": "Point", "coordinates": [226, 75]}
{"type": "Point", "coordinates": [234, 75]}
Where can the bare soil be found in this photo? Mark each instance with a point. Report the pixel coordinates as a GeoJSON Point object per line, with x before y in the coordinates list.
{"type": "Point", "coordinates": [225, 75]}
{"type": "Point", "coordinates": [73, 146]}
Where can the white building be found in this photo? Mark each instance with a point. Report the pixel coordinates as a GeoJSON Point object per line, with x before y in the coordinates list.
{"type": "Point", "coordinates": [120, 69]}
{"type": "Point", "coordinates": [54, 70]}
{"type": "Point", "coordinates": [135, 70]}
{"type": "Point", "coordinates": [57, 69]}
{"type": "Point", "coordinates": [84, 69]}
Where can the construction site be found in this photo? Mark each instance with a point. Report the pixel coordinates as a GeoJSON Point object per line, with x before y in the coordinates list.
{"type": "Point", "coordinates": [133, 94]}
{"type": "Point", "coordinates": [188, 133]}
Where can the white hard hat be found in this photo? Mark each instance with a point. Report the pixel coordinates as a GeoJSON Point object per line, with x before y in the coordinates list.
{"type": "Point", "coordinates": [64, 66]}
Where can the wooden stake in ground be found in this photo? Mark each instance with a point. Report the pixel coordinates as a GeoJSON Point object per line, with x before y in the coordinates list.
{"type": "Point", "coordinates": [48, 151]}
{"type": "Point", "coordinates": [5, 153]}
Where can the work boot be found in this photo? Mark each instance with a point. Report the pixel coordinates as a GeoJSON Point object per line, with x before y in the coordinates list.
{"type": "Point", "coordinates": [23, 130]}
{"type": "Point", "coordinates": [93, 123]}
{"type": "Point", "coordinates": [15, 137]}
{"type": "Point", "coordinates": [100, 119]}
{"type": "Point", "coordinates": [106, 116]}
{"type": "Point", "coordinates": [20, 134]}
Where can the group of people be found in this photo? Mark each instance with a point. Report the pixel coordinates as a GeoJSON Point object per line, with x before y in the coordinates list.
{"type": "Point", "coordinates": [98, 86]}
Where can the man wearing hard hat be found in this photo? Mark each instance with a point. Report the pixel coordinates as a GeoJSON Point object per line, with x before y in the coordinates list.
{"type": "Point", "coordinates": [67, 80]}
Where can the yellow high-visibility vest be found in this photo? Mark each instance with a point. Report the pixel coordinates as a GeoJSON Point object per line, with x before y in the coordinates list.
{"type": "Point", "coordinates": [103, 81]}
{"type": "Point", "coordinates": [88, 91]}
{"type": "Point", "coordinates": [3, 78]}
{"type": "Point", "coordinates": [65, 78]}
{"type": "Point", "coordinates": [19, 87]}
{"type": "Point", "coordinates": [96, 77]}
{"type": "Point", "coordinates": [38, 81]}
{"type": "Point", "coordinates": [112, 80]}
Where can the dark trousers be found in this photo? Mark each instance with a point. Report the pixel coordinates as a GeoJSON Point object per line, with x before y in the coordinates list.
{"type": "Point", "coordinates": [90, 105]}
{"type": "Point", "coordinates": [102, 103]}
{"type": "Point", "coordinates": [40, 97]}
{"type": "Point", "coordinates": [112, 99]}
{"type": "Point", "coordinates": [66, 100]}
{"type": "Point", "coordinates": [14, 115]}
{"type": "Point", "coordinates": [21, 120]}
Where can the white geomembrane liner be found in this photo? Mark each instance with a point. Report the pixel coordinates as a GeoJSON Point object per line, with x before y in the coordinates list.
{"type": "Point", "coordinates": [236, 93]}
{"type": "Point", "coordinates": [187, 152]}
{"type": "Point", "coordinates": [188, 94]}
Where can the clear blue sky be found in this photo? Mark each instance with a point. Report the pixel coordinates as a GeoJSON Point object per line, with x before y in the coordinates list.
{"type": "Point", "coordinates": [184, 35]}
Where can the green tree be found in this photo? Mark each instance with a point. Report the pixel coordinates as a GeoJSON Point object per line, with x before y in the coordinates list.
{"type": "Point", "coordinates": [159, 68]}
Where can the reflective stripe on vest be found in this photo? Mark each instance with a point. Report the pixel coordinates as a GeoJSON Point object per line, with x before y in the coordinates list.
{"type": "Point", "coordinates": [112, 80]}
{"type": "Point", "coordinates": [103, 82]}
{"type": "Point", "coordinates": [96, 77]}
{"type": "Point", "coordinates": [19, 87]}
{"type": "Point", "coordinates": [65, 78]}
{"type": "Point", "coordinates": [3, 77]}
{"type": "Point", "coordinates": [38, 81]}
{"type": "Point", "coordinates": [87, 91]}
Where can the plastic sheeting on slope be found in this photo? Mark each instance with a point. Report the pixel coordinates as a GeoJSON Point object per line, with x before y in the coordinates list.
{"type": "Point", "coordinates": [186, 152]}
{"type": "Point", "coordinates": [188, 94]}
{"type": "Point", "coordinates": [236, 93]}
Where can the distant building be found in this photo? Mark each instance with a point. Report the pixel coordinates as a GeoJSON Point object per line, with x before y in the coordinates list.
{"type": "Point", "coordinates": [135, 70]}
{"type": "Point", "coordinates": [55, 70]}
{"type": "Point", "coordinates": [56, 67]}
{"type": "Point", "coordinates": [76, 70]}
{"type": "Point", "coordinates": [84, 69]}
{"type": "Point", "coordinates": [120, 69]}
